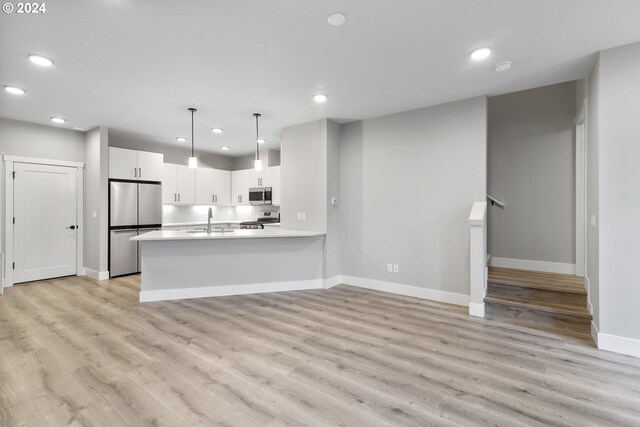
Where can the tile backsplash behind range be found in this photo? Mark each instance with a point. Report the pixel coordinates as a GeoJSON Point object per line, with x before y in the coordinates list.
{"type": "Point", "coordinates": [181, 214]}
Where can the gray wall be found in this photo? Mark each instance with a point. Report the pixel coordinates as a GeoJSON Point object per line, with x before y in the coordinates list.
{"type": "Point", "coordinates": [172, 153]}
{"type": "Point", "coordinates": [408, 182]}
{"type": "Point", "coordinates": [269, 158]}
{"type": "Point", "coordinates": [619, 192]}
{"type": "Point", "coordinates": [531, 167]}
{"type": "Point", "coordinates": [46, 142]}
{"type": "Point", "coordinates": [304, 176]}
{"type": "Point", "coordinates": [96, 199]}
{"type": "Point", "coordinates": [332, 240]}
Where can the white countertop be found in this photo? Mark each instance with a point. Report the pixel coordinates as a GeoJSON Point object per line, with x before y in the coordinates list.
{"type": "Point", "coordinates": [235, 234]}
{"type": "Point", "coordinates": [185, 224]}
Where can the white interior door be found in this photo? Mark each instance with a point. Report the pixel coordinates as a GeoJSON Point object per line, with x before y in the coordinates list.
{"type": "Point", "coordinates": [45, 229]}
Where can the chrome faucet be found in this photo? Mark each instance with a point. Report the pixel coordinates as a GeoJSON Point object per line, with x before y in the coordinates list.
{"type": "Point", "coordinates": [209, 216]}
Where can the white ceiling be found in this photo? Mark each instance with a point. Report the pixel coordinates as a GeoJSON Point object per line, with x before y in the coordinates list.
{"type": "Point", "coordinates": [138, 65]}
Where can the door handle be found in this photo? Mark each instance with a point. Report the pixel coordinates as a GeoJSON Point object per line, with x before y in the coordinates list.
{"type": "Point", "coordinates": [73, 227]}
{"type": "Point", "coordinates": [135, 172]}
{"type": "Point", "coordinates": [139, 172]}
{"type": "Point", "coordinates": [216, 198]}
{"type": "Point", "coordinates": [175, 197]}
{"type": "Point", "coordinates": [178, 196]}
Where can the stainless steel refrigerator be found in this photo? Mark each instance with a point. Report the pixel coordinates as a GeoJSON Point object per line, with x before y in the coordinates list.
{"type": "Point", "coordinates": [134, 208]}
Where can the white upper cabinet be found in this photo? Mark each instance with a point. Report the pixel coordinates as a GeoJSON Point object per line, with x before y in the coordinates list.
{"type": "Point", "coordinates": [222, 187]}
{"type": "Point", "coordinates": [178, 185]}
{"type": "Point", "coordinates": [135, 165]}
{"type": "Point", "coordinates": [241, 181]}
{"type": "Point", "coordinates": [169, 193]}
{"type": "Point", "coordinates": [275, 183]}
{"type": "Point", "coordinates": [201, 186]}
{"type": "Point", "coordinates": [205, 193]}
{"type": "Point", "coordinates": [186, 185]}
{"type": "Point", "coordinates": [150, 166]}
{"type": "Point", "coordinates": [260, 178]}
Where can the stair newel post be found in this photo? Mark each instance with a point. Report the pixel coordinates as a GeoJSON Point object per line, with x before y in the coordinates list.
{"type": "Point", "coordinates": [477, 258]}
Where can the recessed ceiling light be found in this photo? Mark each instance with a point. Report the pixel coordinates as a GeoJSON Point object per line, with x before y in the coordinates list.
{"type": "Point", "coordinates": [40, 60]}
{"type": "Point", "coordinates": [320, 98]}
{"type": "Point", "coordinates": [80, 128]}
{"type": "Point", "coordinates": [224, 147]}
{"type": "Point", "coordinates": [181, 139]}
{"type": "Point", "coordinates": [481, 53]}
{"type": "Point", "coordinates": [336, 19]}
{"type": "Point", "coordinates": [58, 120]}
{"type": "Point", "coordinates": [260, 141]}
{"type": "Point", "coordinates": [14, 90]}
{"type": "Point", "coordinates": [503, 66]}
{"type": "Point", "coordinates": [217, 131]}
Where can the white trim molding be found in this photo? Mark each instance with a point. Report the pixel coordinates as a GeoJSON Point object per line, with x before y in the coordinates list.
{"type": "Point", "coordinates": [38, 161]}
{"type": "Point", "coordinates": [332, 281]}
{"type": "Point", "coordinates": [219, 291]}
{"type": "Point", "coordinates": [526, 264]}
{"type": "Point", "coordinates": [594, 332]}
{"type": "Point", "coordinates": [476, 309]}
{"type": "Point", "coordinates": [97, 275]}
{"type": "Point", "coordinates": [618, 344]}
{"type": "Point", "coordinates": [407, 290]}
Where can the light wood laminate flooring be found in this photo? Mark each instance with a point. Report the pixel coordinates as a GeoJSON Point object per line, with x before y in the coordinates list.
{"type": "Point", "coordinates": [74, 351]}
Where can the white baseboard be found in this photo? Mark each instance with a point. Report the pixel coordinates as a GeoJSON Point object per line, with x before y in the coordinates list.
{"type": "Point", "coordinates": [594, 332]}
{"type": "Point", "coordinates": [408, 290]}
{"type": "Point", "coordinates": [333, 281]}
{"type": "Point", "coordinates": [476, 309]}
{"type": "Point", "coordinates": [618, 344]}
{"type": "Point", "coordinates": [226, 290]}
{"type": "Point", "coordinates": [97, 275]}
{"type": "Point", "coordinates": [527, 264]}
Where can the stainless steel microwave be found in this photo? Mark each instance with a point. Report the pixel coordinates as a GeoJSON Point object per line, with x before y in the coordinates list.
{"type": "Point", "coordinates": [260, 196]}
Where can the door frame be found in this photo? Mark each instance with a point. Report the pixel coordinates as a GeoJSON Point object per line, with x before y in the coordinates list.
{"type": "Point", "coordinates": [7, 277]}
{"type": "Point", "coordinates": [581, 190]}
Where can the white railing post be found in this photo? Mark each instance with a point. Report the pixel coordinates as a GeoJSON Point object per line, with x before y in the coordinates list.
{"type": "Point", "coordinates": [477, 258]}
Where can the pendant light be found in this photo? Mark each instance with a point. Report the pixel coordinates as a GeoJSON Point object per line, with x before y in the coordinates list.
{"type": "Point", "coordinates": [258, 162]}
{"type": "Point", "coordinates": [193, 160]}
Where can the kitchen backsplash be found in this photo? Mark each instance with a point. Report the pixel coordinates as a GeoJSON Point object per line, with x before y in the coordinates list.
{"type": "Point", "coordinates": [181, 214]}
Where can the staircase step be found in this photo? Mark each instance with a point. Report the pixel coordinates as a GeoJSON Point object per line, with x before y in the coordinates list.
{"type": "Point", "coordinates": [540, 305]}
{"type": "Point", "coordinates": [571, 327]}
{"type": "Point", "coordinates": [540, 296]}
{"type": "Point", "coordinates": [566, 283]}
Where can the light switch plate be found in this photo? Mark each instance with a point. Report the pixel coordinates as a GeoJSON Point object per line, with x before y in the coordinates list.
{"type": "Point", "coordinates": [94, 214]}
{"type": "Point", "coordinates": [593, 221]}
{"type": "Point", "coordinates": [299, 216]}
{"type": "Point", "coordinates": [304, 216]}
{"type": "Point", "coordinates": [389, 268]}
{"type": "Point", "coordinates": [396, 269]}
{"type": "Point", "coordinates": [334, 201]}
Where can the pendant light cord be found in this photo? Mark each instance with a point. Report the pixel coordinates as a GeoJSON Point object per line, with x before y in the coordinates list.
{"type": "Point", "coordinates": [193, 110]}
{"type": "Point", "coordinates": [257, 137]}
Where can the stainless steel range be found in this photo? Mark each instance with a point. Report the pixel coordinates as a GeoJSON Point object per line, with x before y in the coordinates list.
{"type": "Point", "coordinates": [263, 218]}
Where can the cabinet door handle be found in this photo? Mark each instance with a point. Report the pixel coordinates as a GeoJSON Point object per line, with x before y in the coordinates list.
{"type": "Point", "coordinates": [139, 172]}
{"type": "Point", "coordinates": [175, 197]}
{"type": "Point", "coordinates": [135, 172]}
{"type": "Point", "coordinates": [178, 196]}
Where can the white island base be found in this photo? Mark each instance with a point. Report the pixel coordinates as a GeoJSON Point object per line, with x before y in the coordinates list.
{"type": "Point", "coordinates": [181, 265]}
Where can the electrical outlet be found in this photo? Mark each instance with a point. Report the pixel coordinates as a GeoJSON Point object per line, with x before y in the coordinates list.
{"type": "Point", "coordinates": [389, 268]}
{"type": "Point", "coordinates": [299, 216]}
{"type": "Point", "coordinates": [334, 201]}
{"type": "Point", "coordinates": [304, 216]}
{"type": "Point", "coordinates": [395, 268]}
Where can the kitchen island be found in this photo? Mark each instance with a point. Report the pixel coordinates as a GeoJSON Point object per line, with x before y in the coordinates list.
{"type": "Point", "coordinates": [183, 264]}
